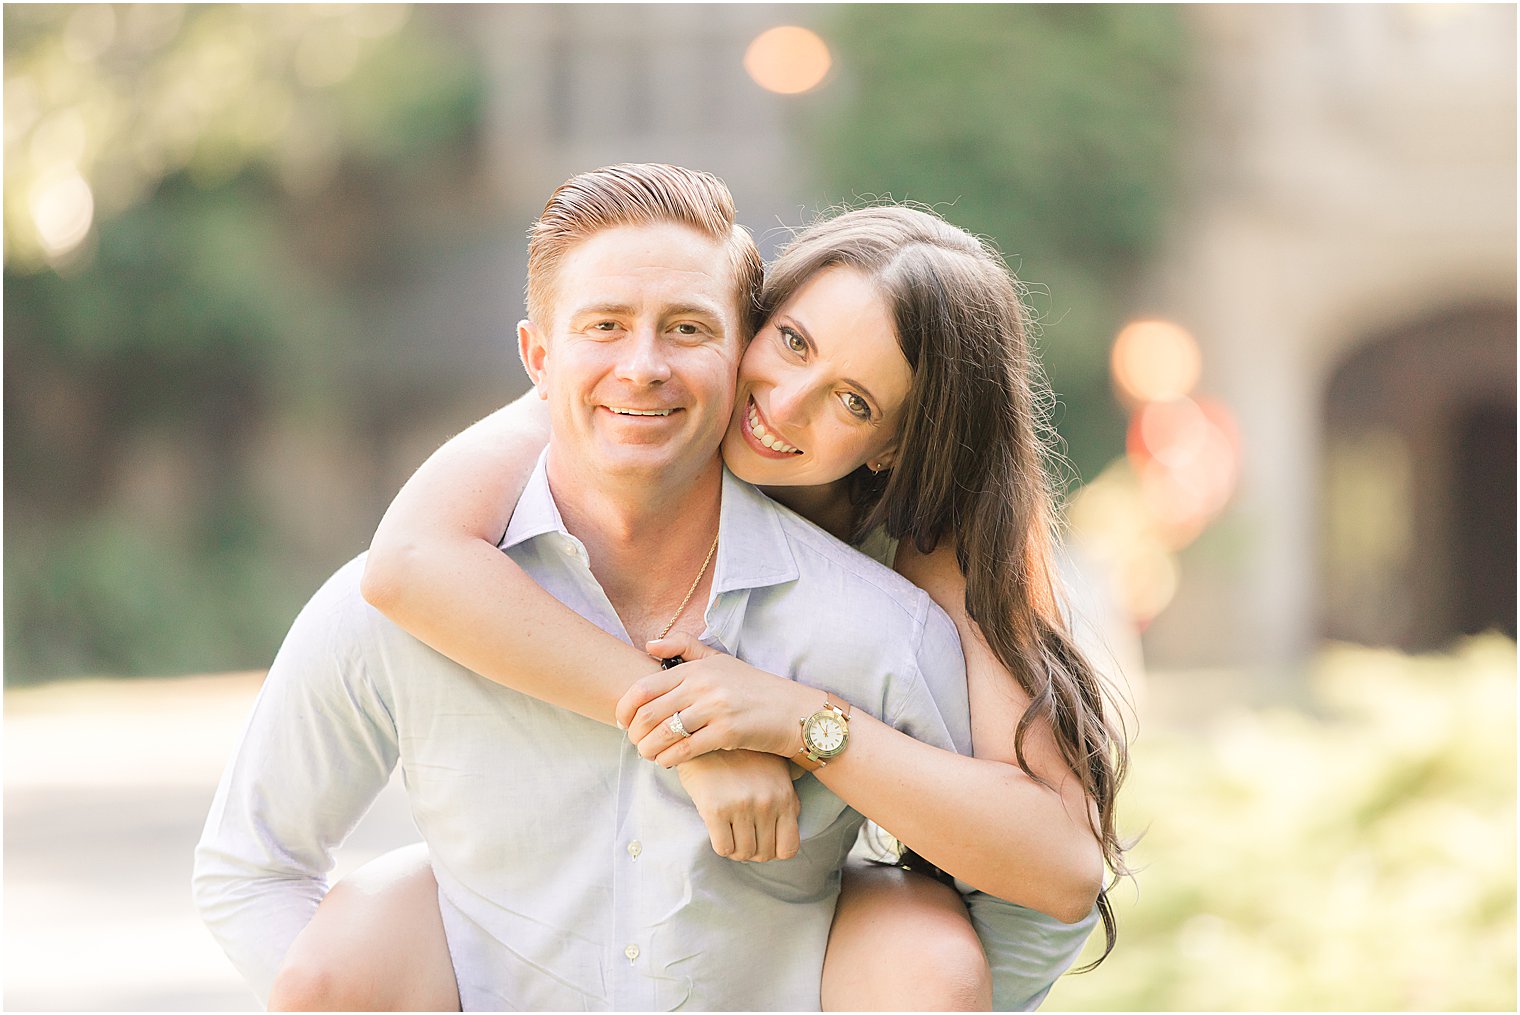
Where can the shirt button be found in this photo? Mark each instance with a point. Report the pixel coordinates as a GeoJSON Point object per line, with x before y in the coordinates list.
{"type": "Point", "coordinates": [635, 848]}
{"type": "Point", "coordinates": [632, 951]}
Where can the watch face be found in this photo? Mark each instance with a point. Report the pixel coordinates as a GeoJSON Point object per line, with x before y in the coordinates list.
{"type": "Point", "coordinates": [825, 734]}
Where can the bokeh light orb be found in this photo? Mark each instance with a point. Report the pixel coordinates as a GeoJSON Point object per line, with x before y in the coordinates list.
{"type": "Point", "coordinates": [1148, 577]}
{"type": "Point", "coordinates": [1155, 361]}
{"type": "Point", "coordinates": [62, 207]}
{"type": "Point", "coordinates": [787, 60]}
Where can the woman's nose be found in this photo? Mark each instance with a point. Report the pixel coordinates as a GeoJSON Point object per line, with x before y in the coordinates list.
{"type": "Point", "coordinates": [789, 403]}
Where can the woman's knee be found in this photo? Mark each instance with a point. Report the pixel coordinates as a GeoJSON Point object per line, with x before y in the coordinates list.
{"type": "Point", "coordinates": [375, 944]}
{"type": "Point", "coordinates": [948, 972]}
{"type": "Point", "coordinates": [903, 942]}
{"type": "Point", "coordinates": [307, 983]}
{"type": "Point", "coordinates": [937, 965]}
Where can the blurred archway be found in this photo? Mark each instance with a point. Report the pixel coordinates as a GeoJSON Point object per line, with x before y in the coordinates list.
{"type": "Point", "coordinates": [1418, 494]}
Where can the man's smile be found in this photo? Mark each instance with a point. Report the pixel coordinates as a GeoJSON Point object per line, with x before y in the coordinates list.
{"type": "Point", "coordinates": [630, 411]}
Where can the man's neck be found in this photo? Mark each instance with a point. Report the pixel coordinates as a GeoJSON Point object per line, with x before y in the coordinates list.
{"type": "Point", "coordinates": [647, 541]}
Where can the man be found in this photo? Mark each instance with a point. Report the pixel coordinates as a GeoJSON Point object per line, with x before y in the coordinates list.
{"type": "Point", "coordinates": [572, 874]}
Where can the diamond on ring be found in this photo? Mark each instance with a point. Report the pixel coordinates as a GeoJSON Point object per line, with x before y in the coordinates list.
{"type": "Point", "coordinates": [676, 726]}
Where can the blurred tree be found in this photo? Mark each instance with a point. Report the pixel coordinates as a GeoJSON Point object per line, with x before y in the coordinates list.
{"type": "Point", "coordinates": [193, 198]}
{"type": "Point", "coordinates": [1050, 128]}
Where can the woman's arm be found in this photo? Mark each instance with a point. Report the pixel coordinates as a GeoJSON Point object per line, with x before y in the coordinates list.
{"type": "Point", "coordinates": [982, 818]}
{"type": "Point", "coordinates": [435, 570]}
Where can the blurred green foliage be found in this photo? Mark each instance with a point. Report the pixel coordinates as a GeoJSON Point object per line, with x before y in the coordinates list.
{"type": "Point", "coordinates": [1052, 129]}
{"type": "Point", "coordinates": [213, 299]}
{"type": "Point", "coordinates": [1362, 858]}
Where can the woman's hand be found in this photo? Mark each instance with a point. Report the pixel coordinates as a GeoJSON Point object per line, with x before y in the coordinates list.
{"type": "Point", "coordinates": [725, 704]}
{"type": "Point", "coordinates": [747, 802]}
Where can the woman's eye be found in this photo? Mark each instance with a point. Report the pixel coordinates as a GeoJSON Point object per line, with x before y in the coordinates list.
{"type": "Point", "coordinates": [793, 341]}
{"type": "Point", "coordinates": [856, 406]}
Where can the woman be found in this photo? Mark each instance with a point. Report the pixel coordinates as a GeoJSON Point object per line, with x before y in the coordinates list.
{"type": "Point", "coordinates": [890, 397]}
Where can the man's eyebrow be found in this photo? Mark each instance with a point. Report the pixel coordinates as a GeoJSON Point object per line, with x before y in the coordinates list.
{"type": "Point", "coordinates": [626, 309]}
{"type": "Point", "coordinates": [613, 309]}
{"type": "Point", "coordinates": [694, 310]}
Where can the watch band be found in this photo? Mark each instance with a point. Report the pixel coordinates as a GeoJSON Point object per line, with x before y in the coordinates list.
{"type": "Point", "coordinates": [802, 757]}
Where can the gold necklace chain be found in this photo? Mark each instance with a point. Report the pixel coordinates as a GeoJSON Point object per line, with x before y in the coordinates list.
{"type": "Point", "coordinates": [691, 591]}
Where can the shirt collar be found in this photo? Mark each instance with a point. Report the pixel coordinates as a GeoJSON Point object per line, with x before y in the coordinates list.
{"type": "Point", "coordinates": [753, 551]}
{"type": "Point", "coordinates": [536, 513]}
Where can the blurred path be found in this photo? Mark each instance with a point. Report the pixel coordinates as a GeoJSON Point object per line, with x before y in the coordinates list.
{"type": "Point", "coordinates": [107, 784]}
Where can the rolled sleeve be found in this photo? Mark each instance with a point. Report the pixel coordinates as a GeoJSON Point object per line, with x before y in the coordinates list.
{"type": "Point", "coordinates": [934, 707]}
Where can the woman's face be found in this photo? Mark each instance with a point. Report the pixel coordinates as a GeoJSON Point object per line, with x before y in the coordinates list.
{"type": "Point", "coordinates": [821, 387]}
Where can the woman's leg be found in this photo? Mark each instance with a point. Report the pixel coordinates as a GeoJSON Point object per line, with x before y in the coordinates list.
{"type": "Point", "coordinates": [902, 942]}
{"type": "Point", "coordinates": [375, 944]}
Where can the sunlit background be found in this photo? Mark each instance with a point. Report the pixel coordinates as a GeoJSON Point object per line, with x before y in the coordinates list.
{"type": "Point", "coordinates": [260, 260]}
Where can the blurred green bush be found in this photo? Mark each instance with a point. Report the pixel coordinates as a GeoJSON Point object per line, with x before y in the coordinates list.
{"type": "Point", "coordinates": [1361, 858]}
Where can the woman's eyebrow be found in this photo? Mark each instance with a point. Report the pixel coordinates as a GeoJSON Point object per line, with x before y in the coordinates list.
{"type": "Point", "coordinates": [863, 389]}
{"type": "Point", "coordinates": [801, 329]}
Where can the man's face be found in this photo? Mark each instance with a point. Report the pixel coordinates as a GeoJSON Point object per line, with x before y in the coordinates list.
{"type": "Point", "coordinates": [639, 362]}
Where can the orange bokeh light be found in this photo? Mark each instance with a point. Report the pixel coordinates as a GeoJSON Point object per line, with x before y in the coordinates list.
{"type": "Point", "coordinates": [1155, 361]}
{"type": "Point", "coordinates": [1187, 457]}
{"type": "Point", "coordinates": [788, 60]}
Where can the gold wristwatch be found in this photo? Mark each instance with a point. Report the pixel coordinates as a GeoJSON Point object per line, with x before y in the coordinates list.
{"type": "Point", "coordinates": [825, 734]}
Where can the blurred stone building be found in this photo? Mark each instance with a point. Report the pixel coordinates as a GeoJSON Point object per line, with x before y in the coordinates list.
{"type": "Point", "coordinates": [1345, 255]}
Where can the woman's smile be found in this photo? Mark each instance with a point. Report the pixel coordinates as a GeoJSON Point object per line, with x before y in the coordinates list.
{"type": "Point", "coordinates": [762, 437]}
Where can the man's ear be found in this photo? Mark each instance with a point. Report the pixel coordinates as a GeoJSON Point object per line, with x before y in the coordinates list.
{"type": "Point", "coordinates": [534, 352]}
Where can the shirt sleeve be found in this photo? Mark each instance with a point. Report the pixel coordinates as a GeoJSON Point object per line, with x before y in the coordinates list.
{"type": "Point", "coordinates": [318, 748]}
{"type": "Point", "coordinates": [933, 707]}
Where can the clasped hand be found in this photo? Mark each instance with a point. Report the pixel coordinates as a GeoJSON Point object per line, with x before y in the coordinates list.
{"type": "Point", "coordinates": [734, 765]}
{"type": "Point", "coordinates": [725, 704]}
{"type": "Point", "coordinates": [747, 802]}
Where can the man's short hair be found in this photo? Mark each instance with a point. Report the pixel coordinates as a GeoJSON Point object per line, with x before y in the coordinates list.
{"type": "Point", "coordinates": [640, 194]}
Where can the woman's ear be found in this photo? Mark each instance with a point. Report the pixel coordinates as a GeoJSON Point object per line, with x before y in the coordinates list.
{"type": "Point", "coordinates": [883, 459]}
{"type": "Point", "coordinates": [534, 352]}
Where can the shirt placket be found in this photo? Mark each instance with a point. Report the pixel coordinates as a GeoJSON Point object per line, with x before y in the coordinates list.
{"type": "Point", "coordinates": [628, 945]}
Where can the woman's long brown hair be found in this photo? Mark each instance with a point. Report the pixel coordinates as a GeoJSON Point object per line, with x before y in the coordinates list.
{"type": "Point", "coordinates": [971, 466]}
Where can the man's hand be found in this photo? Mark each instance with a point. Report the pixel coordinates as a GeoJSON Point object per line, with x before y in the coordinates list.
{"type": "Point", "coordinates": [747, 802]}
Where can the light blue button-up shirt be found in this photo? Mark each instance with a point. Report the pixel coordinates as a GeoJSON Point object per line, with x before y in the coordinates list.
{"type": "Point", "coordinates": [573, 875]}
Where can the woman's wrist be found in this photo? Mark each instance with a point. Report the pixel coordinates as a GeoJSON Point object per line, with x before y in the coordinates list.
{"type": "Point", "coordinates": [801, 702]}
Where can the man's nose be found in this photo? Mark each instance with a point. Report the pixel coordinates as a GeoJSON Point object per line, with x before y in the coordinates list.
{"type": "Point", "coordinates": [643, 359]}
